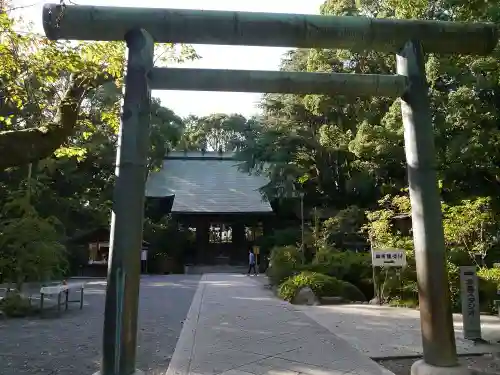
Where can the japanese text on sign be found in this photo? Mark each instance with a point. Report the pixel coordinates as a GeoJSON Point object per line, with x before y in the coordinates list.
{"type": "Point", "coordinates": [388, 258]}
{"type": "Point", "coordinates": [471, 300]}
{"type": "Point", "coordinates": [470, 303]}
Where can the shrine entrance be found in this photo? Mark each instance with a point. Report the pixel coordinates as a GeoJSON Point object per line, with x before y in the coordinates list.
{"type": "Point", "coordinates": [224, 240]}
{"type": "Point", "coordinates": [220, 243]}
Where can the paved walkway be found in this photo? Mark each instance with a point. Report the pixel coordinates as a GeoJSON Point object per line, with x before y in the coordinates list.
{"type": "Point", "coordinates": [236, 327]}
{"type": "Point", "coordinates": [383, 331]}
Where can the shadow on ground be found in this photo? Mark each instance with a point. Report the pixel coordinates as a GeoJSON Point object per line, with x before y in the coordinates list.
{"type": "Point", "coordinates": [366, 327]}
{"type": "Point", "coordinates": [237, 327]}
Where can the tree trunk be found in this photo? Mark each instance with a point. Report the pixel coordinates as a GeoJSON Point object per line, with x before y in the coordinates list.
{"type": "Point", "coordinates": [20, 147]}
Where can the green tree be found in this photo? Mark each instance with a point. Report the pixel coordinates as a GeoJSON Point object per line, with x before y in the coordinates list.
{"type": "Point", "coordinates": [215, 132]}
{"type": "Point", "coordinates": [31, 248]}
{"type": "Point", "coordinates": [343, 229]}
{"type": "Point", "coordinates": [463, 93]}
{"type": "Point", "coordinates": [166, 133]}
{"type": "Point", "coordinates": [343, 152]}
{"type": "Point", "coordinates": [51, 190]}
{"type": "Point", "coordinates": [306, 148]}
{"type": "Point", "coordinates": [49, 89]}
{"type": "Point", "coordinates": [471, 227]}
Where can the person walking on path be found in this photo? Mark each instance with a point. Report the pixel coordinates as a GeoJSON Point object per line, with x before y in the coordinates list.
{"type": "Point", "coordinates": [251, 263]}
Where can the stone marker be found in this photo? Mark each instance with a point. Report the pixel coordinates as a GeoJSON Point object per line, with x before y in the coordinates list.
{"type": "Point", "coordinates": [305, 296]}
{"type": "Point", "coordinates": [470, 303]}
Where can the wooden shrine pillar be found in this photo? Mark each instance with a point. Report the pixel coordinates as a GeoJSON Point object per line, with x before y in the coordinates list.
{"type": "Point", "coordinates": [239, 250]}
{"type": "Point", "coordinates": [202, 239]}
{"type": "Point", "coordinates": [267, 228]}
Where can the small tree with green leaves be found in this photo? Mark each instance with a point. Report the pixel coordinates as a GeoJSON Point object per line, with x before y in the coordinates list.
{"type": "Point", "coordinates": [30, 247]}
{"type": "Point", "coordinates": [342, 229]}
{"type": "Point", "coordinates": [471, 228]}
{"type": "Point", "coordinates": [470, 231]}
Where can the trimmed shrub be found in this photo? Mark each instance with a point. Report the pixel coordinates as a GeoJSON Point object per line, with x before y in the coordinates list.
{"type": "Point", "coordinates": [351, 292]}
{"type": "Point", "coordinates": [331, 262]}
{"type": "Point", "coordinates": [284, 262]}
{"type": "Point", "coordinates": [489, 282]}
{"type": "Point", "coordinates": [346, 265]}
{"type": "Point", "coordinates": [321, 285]}
{"type": "Point", "coordinates": [342, 263]}
{"type": "Point", "coordinates": [15, 306]}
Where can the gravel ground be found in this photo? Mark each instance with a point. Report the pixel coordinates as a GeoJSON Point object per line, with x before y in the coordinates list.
{"type": "Point", "coordinates": [71, 344]}
{"type": "Point", "coordinates": [480, 365]}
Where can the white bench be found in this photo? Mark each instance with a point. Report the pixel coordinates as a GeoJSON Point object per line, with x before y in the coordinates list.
{"type": "Point", "coordinates": [59, 290]}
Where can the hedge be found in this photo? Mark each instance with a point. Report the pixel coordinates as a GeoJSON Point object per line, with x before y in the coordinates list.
{"type": "Point", "coordinates": [355, 269]}
{"type": "Point", "coordinates": [489, 282]}
{"type": "Point", "coordinates": [15, 306]}
{"type": "Point", "coordinates": [321, 285]}
{"type": "Point", "coordinates": [349, 266]}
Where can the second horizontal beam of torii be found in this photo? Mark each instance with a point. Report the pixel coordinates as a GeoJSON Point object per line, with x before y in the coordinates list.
{"type": "Point", "coordinates": [80, 22]}
{"type": "Point", "coordinates": [278, 82]}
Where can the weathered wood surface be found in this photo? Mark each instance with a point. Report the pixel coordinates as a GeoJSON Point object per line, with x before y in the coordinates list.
{"type": "Point", "coordinates": [122, 292]}
{"type": "Point", "coordinates": [263, 29]}
{"type": "Point", "coordinates": [438, 340]}
{"type": "Point", "coordinates": [278, 82]}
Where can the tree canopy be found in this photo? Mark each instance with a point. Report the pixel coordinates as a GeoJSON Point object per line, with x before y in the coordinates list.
{"type": "Point", "coordinates": [344, 152]}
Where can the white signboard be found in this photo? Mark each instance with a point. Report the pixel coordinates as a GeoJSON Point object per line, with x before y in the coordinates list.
{"type": "Point", "coordinates": [388, 258]}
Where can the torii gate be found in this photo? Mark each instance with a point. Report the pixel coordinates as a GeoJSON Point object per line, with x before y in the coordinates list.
{"type": "Point", "coordinates": [408, 39]}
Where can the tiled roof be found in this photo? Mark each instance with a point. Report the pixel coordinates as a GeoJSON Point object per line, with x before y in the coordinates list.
{"type": "Point", "coordinates": [207, 183]}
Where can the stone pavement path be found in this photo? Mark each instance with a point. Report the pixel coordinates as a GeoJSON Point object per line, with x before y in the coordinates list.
{"type": "Point", "coordinates": [383, 331]}
{"type": "Point", "coordinates": [236, 327]}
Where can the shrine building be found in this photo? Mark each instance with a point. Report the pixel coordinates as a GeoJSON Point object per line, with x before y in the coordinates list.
{"type": "Point", "coordinates": [210, 195]}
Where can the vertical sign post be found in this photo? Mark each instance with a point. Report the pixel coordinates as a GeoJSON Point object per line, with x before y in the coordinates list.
{"type": "Point", "coordinates": [470, 303]}
{"type": "Point", "coordinates": [385, 258]}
